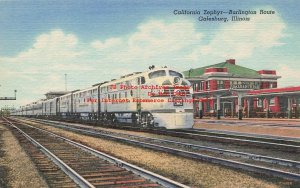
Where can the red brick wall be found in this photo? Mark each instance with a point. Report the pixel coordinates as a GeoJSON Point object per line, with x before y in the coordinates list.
{"type": "Point", "coordinates": [213, 85]}
{"type": "Point", "coordinates": [227, 84]}
{"type": "Point", "coordinates": [215, 69]}
{"type": "Point", "coordinates": [267, 72]}
{"type": "Point", "coordinates": [275, 107]}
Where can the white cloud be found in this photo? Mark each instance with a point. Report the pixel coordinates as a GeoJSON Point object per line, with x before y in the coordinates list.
{"type": "Point", "coordinates": [107, 44]}
{"type": "Point", "coordinates": [155, 42]}
{"type": "Point", "coordinates": [51, 47]}
{"type": "Point", "coordinates": [158, 37]}
{"type": "Point", "coordinates": [240, 39]}
{"type": "Point", "coordinates": [174, 43]}
{"type": "Point", "coordinates": [289, 74]}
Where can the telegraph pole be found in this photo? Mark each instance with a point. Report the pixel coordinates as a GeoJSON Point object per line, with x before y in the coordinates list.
{"type": "Point", "coordinates": [66, 82]}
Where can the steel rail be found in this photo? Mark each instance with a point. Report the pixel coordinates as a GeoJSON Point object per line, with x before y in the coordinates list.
{"type": "Point", "coordinates": [232, 140]}
{"type": "Point", "coordinates": [241, 135]}
{"type": "Point", "coordinates": [135, 169]}
{"type": "Point", "coordinates": [192, 155]}
{"type": "Point", "coordinates": [235, 133]}
{"type": "Point", "coordinates": [82, 182]}
{"type": "Point", "coordinates": [255, 157]}
{"type": "Point", "coordinates": [257, 143]}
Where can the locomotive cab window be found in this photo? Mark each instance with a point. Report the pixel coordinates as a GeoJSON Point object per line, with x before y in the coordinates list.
{"type": "Point", "coordinates": [141, 80]}
{"type": "Point", "coordinates": [156, 74]}
{"type": "Point", "coordinates": [174, 73]}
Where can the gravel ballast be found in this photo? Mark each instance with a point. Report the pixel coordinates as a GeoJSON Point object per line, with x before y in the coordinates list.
{"type": "Point", "coordinates": [190, 172]}
{"type": "Point", "coordinates": [15, 165]}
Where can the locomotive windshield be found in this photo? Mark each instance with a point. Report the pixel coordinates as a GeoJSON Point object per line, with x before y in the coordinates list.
{"type": "Point", "coordinates": [174, 73]}
{"type": "Point", "coordinates": [156, 74]}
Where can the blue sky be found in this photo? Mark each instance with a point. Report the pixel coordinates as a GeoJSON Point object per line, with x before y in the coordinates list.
{"type": "Point", "coordinates": [94, 41]}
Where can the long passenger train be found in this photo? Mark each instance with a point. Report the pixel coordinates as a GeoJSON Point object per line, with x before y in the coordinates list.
{"type": "Point", "coordinates": [159, 97]}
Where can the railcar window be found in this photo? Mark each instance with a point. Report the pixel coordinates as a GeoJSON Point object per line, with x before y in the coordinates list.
{"type": "Point", "coordinates": [143, 81]}
{"type": "Point", "coordinates": [156, 74]}
{"type": "Point", "coordinates": [174, 73]}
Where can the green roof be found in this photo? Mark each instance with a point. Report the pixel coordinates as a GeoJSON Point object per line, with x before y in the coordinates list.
{"type": "Point", "coordinates": [236, 70]}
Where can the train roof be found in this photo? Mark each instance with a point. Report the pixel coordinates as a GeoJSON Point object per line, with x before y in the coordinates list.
{"type": "Point", "coordinates": [134, 75]}
{"type": "Point", "coordinates": [52, 95]}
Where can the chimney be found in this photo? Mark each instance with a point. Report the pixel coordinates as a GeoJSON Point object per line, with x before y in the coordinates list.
{"type": "Point", "coordinates": [231, 61]}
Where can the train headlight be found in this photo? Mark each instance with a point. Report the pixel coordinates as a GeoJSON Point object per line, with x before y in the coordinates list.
{"type": "Point", "coordinates": [176, 80]}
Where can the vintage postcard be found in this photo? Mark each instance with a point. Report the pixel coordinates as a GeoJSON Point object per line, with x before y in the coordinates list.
{"type": "Point", "coordinates": [211, 89]}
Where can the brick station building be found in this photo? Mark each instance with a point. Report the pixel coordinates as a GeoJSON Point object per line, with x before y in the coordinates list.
{"type": "Point", "coordinates": [227, 89]}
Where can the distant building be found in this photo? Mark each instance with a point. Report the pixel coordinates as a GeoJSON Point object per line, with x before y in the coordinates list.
{"type": "Point", "coordinates": [53, 94]}
{"type": "Point", "coordinates": [228, 75]}
{"type": "Point", "coordinates": [223, 79]}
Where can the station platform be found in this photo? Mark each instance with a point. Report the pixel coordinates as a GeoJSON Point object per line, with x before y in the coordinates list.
{"type": "Point", "coordinates": [260, 126]}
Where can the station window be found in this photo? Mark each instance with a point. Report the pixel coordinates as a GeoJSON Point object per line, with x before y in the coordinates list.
{"type": "Point", "coordinates": [195, 88]}
{"type": "Point", "coordinates": [259, 103]}
{"type": "Point", "coordinates": [207, 85]}
{"type": "Point", "coordinates": [220, 84]}
{"type": "Point", "coordinates": [201, 86]}
{"type": "Point", "coordinates": [272, 102]}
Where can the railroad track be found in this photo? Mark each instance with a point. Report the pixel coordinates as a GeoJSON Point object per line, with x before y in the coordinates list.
{"type": "Point", "coordinates": [282, 144]}
{"type": "Point", "coordinates": [247, 123]}
{"type": "Point", "coordinates": [186, 151]}
{"type": "Point", "coordinates": [251, 135]}
{"type": "Point", "coordinates": [267, 143]}
{"type": "Point", "coordinates": [264, 139]}
{"type": "Point", "coordinates": [81, 164]}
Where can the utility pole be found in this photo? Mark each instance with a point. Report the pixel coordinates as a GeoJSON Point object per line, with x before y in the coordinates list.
{"type": "Point", "coordinates": [66, 82]}
{"type": "Point", "coordinates": [191, 70]}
